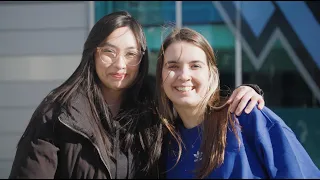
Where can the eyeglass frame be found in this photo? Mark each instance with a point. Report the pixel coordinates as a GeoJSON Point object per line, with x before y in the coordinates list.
{"type": "Point", "coordinates": [99, 48]}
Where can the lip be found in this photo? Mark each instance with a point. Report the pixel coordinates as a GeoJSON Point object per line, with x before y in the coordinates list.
{"type": "Point", "coordinates": [184, 86]}
{"type": "Point", "coordinates": [183, 92]}
{"type": "Point", "coordinates": [118, 75]}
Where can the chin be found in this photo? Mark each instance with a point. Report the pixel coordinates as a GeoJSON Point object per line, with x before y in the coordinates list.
{"type": "Point", "coordinates": [115, 87]}
{"type": "Point", "coordinates": [185, 103]}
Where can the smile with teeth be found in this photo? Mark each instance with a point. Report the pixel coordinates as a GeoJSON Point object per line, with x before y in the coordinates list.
{"type": "Point", "coordinates": [184, 88]}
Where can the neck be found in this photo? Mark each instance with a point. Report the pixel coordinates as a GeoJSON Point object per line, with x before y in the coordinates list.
{"type": "Point", "coordinates": [113, 99]}
{"type": "Point", "coordinates": [189, 116]}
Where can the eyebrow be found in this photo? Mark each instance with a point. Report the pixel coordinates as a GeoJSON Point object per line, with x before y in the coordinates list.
{"type": "Point", "coordinates": [109, 44]}
{"type": "Point", "coordinates": [176, 62]}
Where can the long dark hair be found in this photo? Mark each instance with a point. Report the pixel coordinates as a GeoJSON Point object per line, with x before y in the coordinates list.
{"type": "Point", "coordinates": [212, 109]}
{"type": "Point", "coordinates": [84, 80]}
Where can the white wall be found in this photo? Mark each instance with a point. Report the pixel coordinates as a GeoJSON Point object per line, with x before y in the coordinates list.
{"type": "Point", "coordinates": [40, 46]}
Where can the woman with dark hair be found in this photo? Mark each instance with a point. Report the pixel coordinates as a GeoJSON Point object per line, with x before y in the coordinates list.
{"type": "Point", "coordinates": [100, 123]}
{"type": "Point", "coordinates": [204, 139]}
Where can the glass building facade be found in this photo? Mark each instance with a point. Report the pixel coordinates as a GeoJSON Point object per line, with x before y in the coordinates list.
{"type": "Point", "coordinates": [278, 50]}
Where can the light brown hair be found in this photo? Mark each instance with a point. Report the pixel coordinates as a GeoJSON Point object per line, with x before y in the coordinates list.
{"type": "Point", "coordinates": [212, 108]}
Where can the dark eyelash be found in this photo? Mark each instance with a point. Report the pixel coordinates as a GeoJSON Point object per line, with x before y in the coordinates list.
{"type": "Point", "coordinates": [197, 65]}
{"type": "Point", "coordinates": [172, 66]}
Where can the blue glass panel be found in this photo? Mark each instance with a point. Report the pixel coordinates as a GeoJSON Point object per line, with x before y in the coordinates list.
{"type": "Point", "coordinates": [199, 12]}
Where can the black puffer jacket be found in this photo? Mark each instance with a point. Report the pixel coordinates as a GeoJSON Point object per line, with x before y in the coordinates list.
{"type": "Point", "coordinates": [58, 145]}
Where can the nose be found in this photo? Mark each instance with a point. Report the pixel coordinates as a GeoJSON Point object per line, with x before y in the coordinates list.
{"type": "Point", "coordinates": [184, 74]}
{"type": "Point", "coordinates": [120, 62]}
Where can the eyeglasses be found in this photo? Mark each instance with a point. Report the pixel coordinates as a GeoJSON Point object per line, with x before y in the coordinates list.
{"type": "Point", "coordinates": [132, 57]}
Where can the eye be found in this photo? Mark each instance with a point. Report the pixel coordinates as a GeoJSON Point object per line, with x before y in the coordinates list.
{"type": "Point", "coordinates": [173, 66]}
{"type": "Point", "coordinates": [107, 50]}
{"type": "Point", "coordinates": [131, 54]}
{"type": "Point", "coordinates": [196, 66]}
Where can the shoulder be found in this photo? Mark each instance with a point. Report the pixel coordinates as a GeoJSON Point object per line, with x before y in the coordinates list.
{"type": "Point", "coordinates": [44, 114]}
{"type": "Point", "coordinates": [261, 121]}
{"type": "Point", "coordinates": [44, 119]}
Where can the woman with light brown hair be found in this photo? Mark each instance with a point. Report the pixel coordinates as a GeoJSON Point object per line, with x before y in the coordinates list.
{"type": "Point", "coordinates": [205, 140]}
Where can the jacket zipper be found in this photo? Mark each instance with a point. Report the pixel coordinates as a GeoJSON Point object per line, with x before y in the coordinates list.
{"type": "Point", "coordinates": [97, 148]}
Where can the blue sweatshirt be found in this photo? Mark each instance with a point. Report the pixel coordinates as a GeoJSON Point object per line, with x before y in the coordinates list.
{"type": "Point", "coordinates": [269, 149]}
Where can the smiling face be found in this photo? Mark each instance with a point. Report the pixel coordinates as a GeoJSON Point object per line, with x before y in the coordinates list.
{"type": "Point", "coordinates": [114, 73]}
{"type": "Point", "coordinates": [185, 74]}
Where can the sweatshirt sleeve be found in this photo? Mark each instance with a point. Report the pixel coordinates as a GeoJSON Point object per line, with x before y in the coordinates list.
{"type": "Point", "coordinates": [36, 155]}
{"type": "Point", "coordinates": [279, 150]}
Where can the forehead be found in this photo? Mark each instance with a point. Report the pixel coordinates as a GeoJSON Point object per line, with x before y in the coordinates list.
{"type": "Point", "coordinates": [182, 51]}
{"type": "Point", "coordinates": [122, 37]}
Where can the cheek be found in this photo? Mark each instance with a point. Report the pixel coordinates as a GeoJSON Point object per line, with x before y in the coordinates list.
{"type": "Point", "coordinates": [101, 68]}
{"type": "Point", "coordinates": [98, 66]}
{"type": "Point", "coordinates": [203, 82]}
{"type": "Point", "coordinates": [133, 70]}
{"type": "Point", "coordinates": [97, 61]}
{"type": "Point", "coordinates": [167, 75]}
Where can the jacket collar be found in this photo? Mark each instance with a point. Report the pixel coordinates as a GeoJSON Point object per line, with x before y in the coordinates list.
{"type": "Point", "coordinates": [80, 118]}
